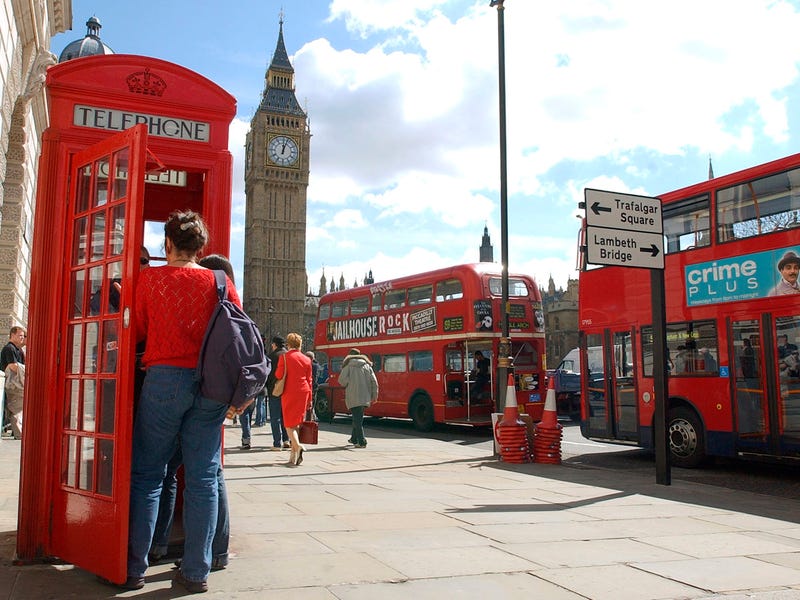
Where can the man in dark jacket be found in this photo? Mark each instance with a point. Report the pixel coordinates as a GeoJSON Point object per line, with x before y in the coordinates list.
{"type": "Point", "coordinates": [361, 390]}
{"type": "Point", "coordinates": [280, 438]}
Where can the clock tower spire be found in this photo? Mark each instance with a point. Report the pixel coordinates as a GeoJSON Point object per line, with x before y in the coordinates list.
{"type": "Point", "coordinates": [276, 182]}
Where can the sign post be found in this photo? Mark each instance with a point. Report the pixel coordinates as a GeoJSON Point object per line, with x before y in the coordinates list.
{"type": "Point", "coordinates": [626, 230]}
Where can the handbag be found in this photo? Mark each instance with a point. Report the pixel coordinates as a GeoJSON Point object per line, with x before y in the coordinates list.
{"type": "Point", "coordinates": [277, 389]}
{"type": "Point", "coordinates": [309, 429]}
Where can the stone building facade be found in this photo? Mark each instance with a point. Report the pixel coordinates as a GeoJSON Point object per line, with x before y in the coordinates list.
{"type": "Point", "coordinates": [276, 180]}
{"type": "Point", "coordinates": [27, 27]}
{"type": "Point", "coordinates": [561, 320]}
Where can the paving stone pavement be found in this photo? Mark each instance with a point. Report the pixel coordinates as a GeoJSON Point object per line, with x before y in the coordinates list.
{"type": "Point", "coordinates": [420, 518]}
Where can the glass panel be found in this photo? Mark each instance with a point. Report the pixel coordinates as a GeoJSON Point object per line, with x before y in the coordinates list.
{"type": "Point", "coordinates": [120, 174]}
{"type": "Point", "coordinates": [394, 299]}
{"type": "Point", "coordinates": [113, 275]}
{"type": "Point", "coordinates": [108, 405]}
{"type": "Point", "coordinates": [90, 348]}
{"type": "Point", "coordinates": [71, 473]}
{"type": "Point", "coordinates": [448, 290]}
{"type": "Point", "coordinates": [115, 241]}
{"type": "Point", "coordinates": [105, 467]}
{"type": "Point", "coordinates": [73, 402]}
{"type": "Point", "coordinates": [691, 349]}
{"type": "Point", "coordinates": [787, 331]}
{"type": "Point", "coordinates": [454, 360]}
{"type": "Point", "coordinates": [596, 385]}
{"type": "Point", "coordinates": [420, 295]}
{"type": "Point", "coordinates": [421, 361]}
{"type": "Point", "coordinates": [394, 363]}
{"type": "Point", "coordinates": [101, 192]}
{"type": "Point", "coordinates": [324, 311]}
{"type": "Point", "coordinates": [339, 309]}
{"type": "Point", "coordinates": [89, 405]}
{"type": "Point", "coordinates": [96, 288]}
{"type": "Point", "coordinates": [98, 235]}
{"type": "Point", "coordinates": [359, 306]}
{"type": "Point", "coordinates": [79, 241]}
{"type": "Point", "coordinates": [759, 206]}
{"type": "Point", "coordinates": [376, 302]}
{"type": "Point", "coordinates": [625, 391]}
{"type": "Point", "coordinates": [109, 348]}
{"type": "Point", "coordinates": [74, 357]}
{"type": "Point", "coordinates": [750, 416]}
{"type": "Point", "coordinates": [686, 224]}
{"type": "Point", "coordinates": [516, 287]}
{"type": "Point", "coordinates": [86, 469]}
{"type": "Point", "coordinates": [84, 175]}
{"type": "Point", "coordinates": [78, 297]}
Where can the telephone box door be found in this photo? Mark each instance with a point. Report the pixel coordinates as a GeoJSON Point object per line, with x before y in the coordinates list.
{"type": "Point", "coordinates": [96, 354]}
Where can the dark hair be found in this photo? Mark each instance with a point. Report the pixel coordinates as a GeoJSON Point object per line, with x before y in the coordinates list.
{"type": "Point", "coordinates": [217, 262]}
{"type": "Point", "coordinates": [279, 341]}
{"type": "Point", "coordinates": [186, 230]}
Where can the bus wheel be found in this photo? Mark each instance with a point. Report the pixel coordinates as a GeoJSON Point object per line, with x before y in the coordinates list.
{"type": "Point", "coordinates": [422, 413]}
{"type": "Point", "coordinates": [322, 407]}
{"type": "Point", "coordinates": [686, 442]}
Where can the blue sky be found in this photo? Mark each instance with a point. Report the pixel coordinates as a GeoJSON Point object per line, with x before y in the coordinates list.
{"type": "Point", "coordinates": [402, 95]}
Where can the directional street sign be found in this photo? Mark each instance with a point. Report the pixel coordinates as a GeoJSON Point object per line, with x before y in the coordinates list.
{"type": "Point", "coordinates": [623, 230]}
{"type": "Point", "coordinates": [607, 246]}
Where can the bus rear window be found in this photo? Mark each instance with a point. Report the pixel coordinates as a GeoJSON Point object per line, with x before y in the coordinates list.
{"type": "Point", "coordinates": [449, 290]}
{"type": "Point", "coordinates": [516, 287]}
{"type": "Point", "coordinates": [324, 311]}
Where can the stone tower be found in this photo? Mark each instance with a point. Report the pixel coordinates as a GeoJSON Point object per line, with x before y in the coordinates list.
{"type": "Point", "coordinates": [276, 181]}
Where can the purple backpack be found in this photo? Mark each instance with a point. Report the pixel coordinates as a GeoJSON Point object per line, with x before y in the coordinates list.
{"type": "Point", "coordinates": [232, 367]}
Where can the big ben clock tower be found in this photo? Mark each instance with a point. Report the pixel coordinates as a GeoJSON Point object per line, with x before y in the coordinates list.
{"type": "Point", "coordinates": [276, 180]}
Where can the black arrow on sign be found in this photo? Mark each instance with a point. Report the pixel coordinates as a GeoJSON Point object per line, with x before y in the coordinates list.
{"type": "Point", "coordinates": [597, 208]}
{"type": "Point", "coordinates": [653, 250]}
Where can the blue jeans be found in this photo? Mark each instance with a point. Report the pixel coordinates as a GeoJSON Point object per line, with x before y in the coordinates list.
{"type": "Point", "coordinates": [279, 434]}
{"type": "Point", "coordinates": [244, 421]}
{"type": "Point", "coordinates": [166, 514]}
{"type": "Point", "coordinates": [261, 410]}
{"type": "Point", "coordinates": [171, 411]}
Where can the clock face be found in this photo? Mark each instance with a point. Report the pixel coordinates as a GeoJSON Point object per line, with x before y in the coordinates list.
{"type": "Point", "coordinates": [283, 151]}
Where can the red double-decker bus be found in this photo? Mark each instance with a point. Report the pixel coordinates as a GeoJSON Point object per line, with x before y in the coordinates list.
{"type": "Point", "coordinates": [733, 324]}
{"type": "Point", "coordinates": [422, 333]}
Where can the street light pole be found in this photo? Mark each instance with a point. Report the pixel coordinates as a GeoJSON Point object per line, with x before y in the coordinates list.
{"type": "Point", "coordinates": [504, 348]}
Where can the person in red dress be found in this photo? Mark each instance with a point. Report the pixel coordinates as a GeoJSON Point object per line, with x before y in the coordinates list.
{"type": "Point", "coordinates": [296, 397]}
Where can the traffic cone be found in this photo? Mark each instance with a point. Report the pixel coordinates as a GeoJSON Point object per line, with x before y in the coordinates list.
{"type": "Point", "coordinates": [550, 413]}
{"type": "Point", "coordinates": [511, 431]}
{"type": "Point", "coordinates": [511, 410]}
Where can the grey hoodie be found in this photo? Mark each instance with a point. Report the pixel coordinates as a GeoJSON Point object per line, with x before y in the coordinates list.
{"type": "Point", "coordinates": [358, 379]}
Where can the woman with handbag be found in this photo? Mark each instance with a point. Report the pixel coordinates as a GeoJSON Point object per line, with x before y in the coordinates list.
{"type": "Point", "coordinates": [295, 368]}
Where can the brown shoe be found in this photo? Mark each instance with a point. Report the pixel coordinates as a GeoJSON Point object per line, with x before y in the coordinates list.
{"type": "Point", "coordinates": [193, 587]}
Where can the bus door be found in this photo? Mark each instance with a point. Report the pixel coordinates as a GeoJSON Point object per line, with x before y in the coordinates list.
{"type": "Point", "coordinates": [595, 377]}
{"type": "Point", "coordinates": [625, 412]}
{"type": "Point", "coordinates": [766, 380]}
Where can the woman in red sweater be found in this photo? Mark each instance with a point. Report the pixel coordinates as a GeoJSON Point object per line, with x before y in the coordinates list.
{"type": "Point", "coordinates": [173, 306]}
{"type": "Point", "coordinates": [296, 397]}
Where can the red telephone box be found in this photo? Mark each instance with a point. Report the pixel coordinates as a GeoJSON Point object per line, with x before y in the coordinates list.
{"type": "Point", "coordinates": [131, 138]}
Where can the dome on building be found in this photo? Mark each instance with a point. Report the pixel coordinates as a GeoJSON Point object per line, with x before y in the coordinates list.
{"type": "Point", "coordinates": [90, 45]}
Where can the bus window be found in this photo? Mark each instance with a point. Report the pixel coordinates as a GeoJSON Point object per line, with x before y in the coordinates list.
{"type": "Point", "coordinates": [787, 336]}
{"type": "Point", "coordinates": [336, 364]}
{"type": "Point", "coordinates": [516, 287]}
{"type": "Point", "coordinates": [420, 295]}
{"type": "Point", "coordinates": [686, 224]}
{"type": "Point", "coordinates": [394, 363]}
{"type": "Point", "coordinates": [691, 348]}
{"type": "Point", "coordinates": [339, 309]}
{"type": "Point", "coordinates": [376, 302]}
{"type": "Point", "coordinates": [376, 362]}
{"type": "Point", "coordinates": [455, 361]}
{"type": "Point", "coordinates": [760, 206]}
{"type": "Point", "coordinates": [358, 306]}
{"type": "Point", "coordinates": [449, 290]}
{"type": "Point", "coordinates": [420, 361]}
{"type": "Point", "coordinates": [394, 299]}
{"type": "Point", "coordinates": [524, 355]}
{"type": "Point", "coordinates": [324, 311]}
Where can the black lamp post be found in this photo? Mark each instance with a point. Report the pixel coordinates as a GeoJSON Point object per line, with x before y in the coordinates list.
{"type": "Point", "coordinates": [504, 348]}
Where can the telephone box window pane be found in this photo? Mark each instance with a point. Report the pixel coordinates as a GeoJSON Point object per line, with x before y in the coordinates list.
{"type": "Point", "coordinates": [109, 348]}
{"type": "Point", "coordinates": [73, 401]}
{"type": "Point", "coordinates": [113, 275]}
{"type": "Point", "coordinates": [79, 242]}
{"type": "Point", "coordinates": [115, 244]}
{"type": "Point", "coordinates": [96, 287]}
{"type": "Point", "coordinates": [105, 467]}
{"type": "Point", "coordinates": [78, 293]}
{"type": "Point", "coordinates": [98, 235]}
{"type": "Point", "coordinates": [89, 405]}
{"type": "Point", "coordinates": [120, 174]}
{"type": "Point", "coordinates": [84, 185]}
{"type": "Point", "coordinates": [70, 452]}
{"type": "Point", "coordinates": [90, 349]}
{"type": "Point", "coordinates": [108, 405]}
{"type": "Point", "coordinates": [74, 357]}
{"type": "Point", "coordinates": [101, 192]}
{"type": "Point", "coordinates": [86, 468]}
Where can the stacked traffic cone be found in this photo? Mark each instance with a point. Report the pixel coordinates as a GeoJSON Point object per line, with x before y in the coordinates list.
{"type": "Point", "coordinates": [511, 432]}
{"type": "Point", "coordinates": [547, 439]}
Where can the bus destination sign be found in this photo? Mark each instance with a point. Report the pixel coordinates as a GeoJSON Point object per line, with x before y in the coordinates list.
{"type": "Point", "coordinates": [623, 230]}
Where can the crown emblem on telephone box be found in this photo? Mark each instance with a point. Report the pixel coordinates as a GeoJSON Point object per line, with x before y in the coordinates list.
{"type": "Point", "coordinates": [145, 82]}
